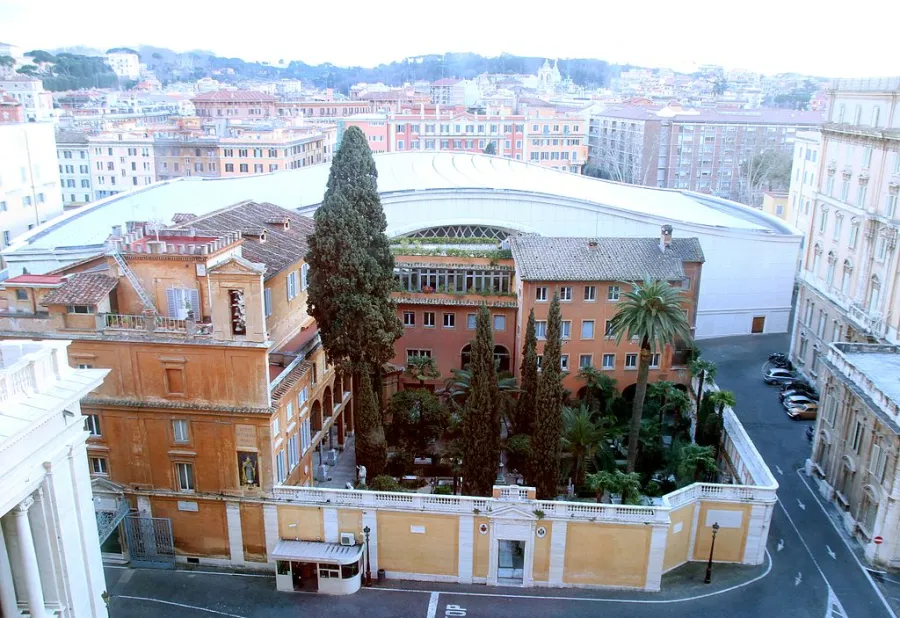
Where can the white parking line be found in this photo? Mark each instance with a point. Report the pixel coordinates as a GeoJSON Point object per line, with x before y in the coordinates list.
{"type": "Point", "coordinates": [865, 571]}
{"type": "Point", "coordinates": [433, 604]}
{"type": "Point", "coordinates": [200, 609]}
{"type": "Point", "coordinates": [535, 597]}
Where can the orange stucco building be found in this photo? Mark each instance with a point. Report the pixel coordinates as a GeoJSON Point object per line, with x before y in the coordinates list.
{"type": "Point", "coordinates": [219, 388]}
{"type": "Point", "coordinates": [438, 297]}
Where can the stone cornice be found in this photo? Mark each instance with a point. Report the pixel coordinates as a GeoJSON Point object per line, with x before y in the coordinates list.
{"type": "Point", "coordinates": [106, 402]}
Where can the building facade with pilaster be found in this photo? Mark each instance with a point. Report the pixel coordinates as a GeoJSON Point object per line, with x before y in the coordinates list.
{"type": "Point", "coordinates": [50, 561]}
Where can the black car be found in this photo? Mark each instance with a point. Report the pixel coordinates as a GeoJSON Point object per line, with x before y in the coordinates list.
{"type": "Point", "coordinates": [785, 394]}
{"type": "Point", "coordinates": [798, 384]}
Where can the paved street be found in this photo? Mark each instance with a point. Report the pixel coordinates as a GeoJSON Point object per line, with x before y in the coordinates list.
{"type": "Point", "coordinates": [812, 572]}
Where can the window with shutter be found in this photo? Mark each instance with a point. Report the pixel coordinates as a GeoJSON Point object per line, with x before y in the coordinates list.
{"type": "Point", "coordinates": [877, 463]}
{"type": "Point", "coordinates": [181, 300]}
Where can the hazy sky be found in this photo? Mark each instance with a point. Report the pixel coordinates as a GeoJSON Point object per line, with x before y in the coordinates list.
{"type": "Point", "coordinates": [770, 36]}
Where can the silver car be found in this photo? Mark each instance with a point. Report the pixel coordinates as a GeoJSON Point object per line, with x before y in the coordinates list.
{"type": "Point", "coordinates": [798, 400]}
{"type": "Point", "coordinates": [778, 376]}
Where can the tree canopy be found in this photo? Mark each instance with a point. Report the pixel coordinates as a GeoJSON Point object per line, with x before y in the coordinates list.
{"type": "Point", "coordinates": [653, 313]}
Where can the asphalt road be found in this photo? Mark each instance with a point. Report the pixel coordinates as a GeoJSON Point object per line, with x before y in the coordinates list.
{"type": "Point", "coordinates": [812, 572]}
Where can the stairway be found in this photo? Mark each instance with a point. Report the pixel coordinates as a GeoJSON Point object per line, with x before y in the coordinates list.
{"type": "Point", "coordinates": [135, 283]}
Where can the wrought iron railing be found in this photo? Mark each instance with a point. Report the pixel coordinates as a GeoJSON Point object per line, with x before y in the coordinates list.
{"type": "Point", "coordinates": [107, 521]}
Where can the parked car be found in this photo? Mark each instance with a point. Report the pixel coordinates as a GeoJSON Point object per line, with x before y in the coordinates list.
{"type": "Point", "coordinates": [777, 376]}
{"type": "Point", "coordinates": [804, 412]}
{"type": "Point", "coordinates": [798, 400]}
{"type": "Point", "coordinates": [797, 392]}
{"type": "Point", "coordinates": [798, 385]}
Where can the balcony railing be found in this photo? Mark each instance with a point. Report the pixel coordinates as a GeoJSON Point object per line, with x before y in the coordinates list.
{"type": "Point", "coordinates": [870, 322]}
{"type": "Point", "coordinates": [152, 324]}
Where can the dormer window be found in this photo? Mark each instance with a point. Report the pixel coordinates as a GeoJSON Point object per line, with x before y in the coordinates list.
{"type": "Point", "coordinates": [80, 309]}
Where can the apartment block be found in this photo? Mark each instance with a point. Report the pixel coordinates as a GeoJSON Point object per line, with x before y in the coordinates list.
{"type": "Point", "coordinates": [235, 104]}
{"type": "Point", "coordinates": [125, 63]}
{"type": "Point", "coordinates": [459, 131]}
{"type": "Point", "coordinates": [29, 178]}
{"type": "Point", "coordinates": [121, 161]}
{"type": "Point", "coordinates": [438, 299]}
{"type": "Point", "coordinates": [218, 388]}
{"type": "Point", "coordinates": [37, 103]}
{"type": "Point", "coordinates": [73, 152]}
{"type": "Point", "coordinates": [556, 139]}
{"type": "Point", "coordinates": [854, 456]}
{"type": "Point", "coordinates": [848, 275]}
{"type": "Point", "coordinates": [804, 176]}
{"type": "Point", "coordinates": [697, 150]}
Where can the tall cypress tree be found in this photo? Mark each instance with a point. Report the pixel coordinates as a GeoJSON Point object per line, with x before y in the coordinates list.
{"type": "Point", "coordinates": [370, 444]}
{"type": "Point", "coordinates": [481, 423]}
{"type": "Point", "coordinates": [351, 277]}
{"type": "Point", "coordinates": [525, 406]}
{"type": "Point", "coordinates": [545, 439]}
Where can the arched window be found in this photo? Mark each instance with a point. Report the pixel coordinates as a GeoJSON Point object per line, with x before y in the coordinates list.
{"type": "Point", "coordinates": [829, 275]}
{"type": "Point", "coordinates": [874, 294]}
{"type": "Point", "coordinates": [845, 277]}
{"type": "Point", "coordinates": [868, 510]}
{"type": "Point", "coordinates": [501, 358]}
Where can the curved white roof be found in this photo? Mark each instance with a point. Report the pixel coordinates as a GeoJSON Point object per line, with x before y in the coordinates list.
{"type": "Point", "coordinates": [398, 173]}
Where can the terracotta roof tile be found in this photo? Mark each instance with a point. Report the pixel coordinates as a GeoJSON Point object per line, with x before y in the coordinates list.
{"type": "Point", "coordinates": [237, 96]}
{"type": "Point", "coordinates": [281, 248]}
{"type": "Point", "coordinates": [81, 289]}
{"type": "Point", "coordinates": [539, 258]}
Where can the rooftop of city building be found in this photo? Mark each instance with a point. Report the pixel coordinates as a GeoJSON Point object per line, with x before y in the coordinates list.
{"type": "Point", "coordinates": [880, 364]}
{"type": "Point", "coordinates": [541, 258]}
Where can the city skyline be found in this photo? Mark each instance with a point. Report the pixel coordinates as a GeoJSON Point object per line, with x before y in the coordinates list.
{"type": "Point", "coordinates": [685, 39]}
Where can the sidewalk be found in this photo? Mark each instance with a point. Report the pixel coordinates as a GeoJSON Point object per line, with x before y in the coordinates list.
{"type": "Point", "coordinates": [345, 470]}
{"type": "Point", "coordinates": [682, 584]}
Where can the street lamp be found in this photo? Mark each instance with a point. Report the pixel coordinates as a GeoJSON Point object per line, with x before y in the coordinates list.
{"type": "Point", "coordinates": [366, 531]}
{"type": "Point", "coordinates": [712, 548]}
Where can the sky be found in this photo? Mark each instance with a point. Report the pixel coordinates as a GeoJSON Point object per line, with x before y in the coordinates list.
{"type": "Point", "coordinates": [768, 36]}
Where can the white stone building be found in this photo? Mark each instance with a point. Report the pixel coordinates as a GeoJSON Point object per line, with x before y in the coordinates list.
{"type": "Point", "coordinates": [125, 63]}
{"type": "Point", "coordinates": [848, 278]}
{"type": "Point", "coordinates": [37, 102]}
{"type": "Point", "coordinates": [75, 177]}
{"type": "Point", "coordinates": [29, 190]}
{"type": "Point", "coordinates": [49, 550]}
{"type": "Point", "coordinates": [855, 450]}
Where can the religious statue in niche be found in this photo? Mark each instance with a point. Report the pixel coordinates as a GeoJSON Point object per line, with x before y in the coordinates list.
{"type": "Point", "coordinates": [249, 469]}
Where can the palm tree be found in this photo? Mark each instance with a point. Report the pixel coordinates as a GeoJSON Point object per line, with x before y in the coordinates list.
{"type": "Point", "coordinates": [693, 461]}
{"type": "Point", "coordinates": [705, 372]}
{"type": "Point", "coordinates": [597, 383]}
{"type": "Point", "coordinates": [458, 385]}
{"type": "Point", "coordinates": [421, 368]}
{"type": "Point", "coordinates": [626, 484]}
{"type": "Point", "coordinates": [582, 434]}
{"type": "Point", "coordinates": [720, 400]}
{"type": "Point", "coordinates": [653, 313]}
{"type": "Point", "coordinates": [670, 397]}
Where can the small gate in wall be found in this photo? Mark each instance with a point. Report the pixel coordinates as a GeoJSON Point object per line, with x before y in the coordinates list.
{"type": "Point", "coordinates": [150, 542]}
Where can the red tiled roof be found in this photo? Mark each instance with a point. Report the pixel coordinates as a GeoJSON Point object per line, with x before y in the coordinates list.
{"type": "Point", "coordinates": [447, 81]}
{"type": "Point", "coordinates": [35, 280]}
{"type": "Point", "coordinates": [290, 380]}
{"type": "Point", "coordinates": [81, 289]}
{"type": "Point", "coordinates": [241, 96]}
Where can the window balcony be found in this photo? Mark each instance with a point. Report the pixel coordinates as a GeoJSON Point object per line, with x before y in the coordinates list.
{"type": "Point", "coordinates": [869, 322]}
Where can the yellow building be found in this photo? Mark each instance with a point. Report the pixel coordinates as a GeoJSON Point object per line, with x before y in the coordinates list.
{"type": "Point", "coordinates": [776, 204]}
{"type": "Point", "coordinates": [513, 539]}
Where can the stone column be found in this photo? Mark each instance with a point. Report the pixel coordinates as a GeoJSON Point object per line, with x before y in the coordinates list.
{"type": "Point", "coordinates": [41, 530]}
{"type": "Point", "coordinates": [31, 574]}
{"type": "Point", "coordinates": [656, 558]}
{"type": "Point", "coordinates": [8, 603]}
{"type": "Point", "coordinates": [235, 533]}
{"type": "Point", "coordinates": [270, 526]}
{"type": "Point", "coordinates": [466, 548]}
{"type": "Point", "coordinates": [557, 552]}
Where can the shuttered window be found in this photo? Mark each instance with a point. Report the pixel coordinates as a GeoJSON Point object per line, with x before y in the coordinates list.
{"type": "Point", "coordinates": [181, 300]}
{"type": "Point", "coordinates": [877, 463]}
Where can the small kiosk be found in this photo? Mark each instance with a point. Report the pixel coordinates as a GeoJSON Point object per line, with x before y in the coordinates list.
{"type": "Point", "coordinates": [312, 566]}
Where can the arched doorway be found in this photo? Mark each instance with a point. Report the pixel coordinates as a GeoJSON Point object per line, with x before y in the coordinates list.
{"type": "Point", "coordinates": [628, 392]}
{"type": "Point", "coordinates": [502, 361]}
{"type": "Point", "coordinates": [315, 417]}
{"type": "Point", "coordinates": [326, 402]}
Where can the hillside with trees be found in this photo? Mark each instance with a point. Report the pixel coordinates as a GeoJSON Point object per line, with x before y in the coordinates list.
{"type": "Point", "coordinates": [65, 71]}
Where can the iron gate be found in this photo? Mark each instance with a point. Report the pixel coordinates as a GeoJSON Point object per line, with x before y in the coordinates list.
{"type": "Point", "coordinates": [150, 542]}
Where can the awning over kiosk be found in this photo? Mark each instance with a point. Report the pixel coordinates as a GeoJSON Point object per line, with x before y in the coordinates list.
{"type": "Point", "coordinates": [312, 551]}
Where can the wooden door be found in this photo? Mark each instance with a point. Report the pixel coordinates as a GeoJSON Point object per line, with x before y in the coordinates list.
{"type": "Point", "coordinates": [759, 324]}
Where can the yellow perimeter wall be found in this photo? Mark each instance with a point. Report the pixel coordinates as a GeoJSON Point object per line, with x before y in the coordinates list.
{"type": "Point", "coordinates": [678, 540]}
{"type": "Point", "coordinates": [542, 553]}
{"type": "Point", "coordinates": [433, 552]}
{"type": "Point", "coordinates": [730, 542]}
{"type": "Point", "coordinates": [607, 555]}
{"type": "Point", "coordinates": [309, 523]}
{"type": "Point", "coordinates": [481, 549]}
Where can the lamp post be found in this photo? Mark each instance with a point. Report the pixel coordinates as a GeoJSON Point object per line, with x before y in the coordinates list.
{"type": "Point", "coordinates": [366, 531]}
{"type": "Point", "coordinates": [712, 548]}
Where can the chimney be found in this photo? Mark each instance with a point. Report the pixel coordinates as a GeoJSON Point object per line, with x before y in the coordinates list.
{"type": "Point", "coordinates": [665, 237]}
{"type": "Point", "coordinates": [593, 244]}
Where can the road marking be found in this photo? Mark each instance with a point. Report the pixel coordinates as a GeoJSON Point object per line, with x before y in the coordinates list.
{"type": "Point", "coordinates": [433, 604]}
{"type": "Point", "coordinates": [534, 597]}
{"type": "Point", "coordinates": [846, 542]}
{"type": "Point", "coordinates": [831, 552]}
{"type": "Point", "coordinates": [800, 504]}
{"type": "Point", "coordinates": [799, 579]}
{"type": "Point", "coordinates": [779, 470]}
{"type": "Point", "coordinates": [780, 545]}
{"type": "Point", "coordinates": [835, 609]}
{"type": "Point", "coordinates": [201, 609]}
